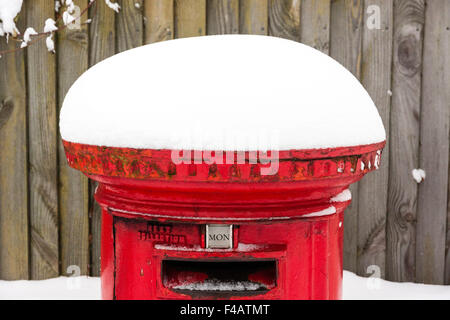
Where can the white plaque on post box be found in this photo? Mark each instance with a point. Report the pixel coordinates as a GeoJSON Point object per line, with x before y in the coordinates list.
{"type": "Point", "coordinates": [219, 236]}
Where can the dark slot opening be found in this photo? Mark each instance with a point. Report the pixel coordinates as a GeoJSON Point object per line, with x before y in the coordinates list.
{"type": "Point", "coordinates": [200, 278]}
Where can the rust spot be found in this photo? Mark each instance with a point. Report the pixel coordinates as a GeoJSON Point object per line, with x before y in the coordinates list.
{"type": "Point", "coordinates": [192, 170]}
{"type": "Point", "coordinates": [155, 167]}
{"type": "Point", "coordinates": [255, 171]}
{"type": "Point", "coordinates": [354, 162]}
{"type": "Point", "coordinates": [311, 168]}
{"type": "Point", "coordinates": [213, 170]}
{"type": "Point", "coordinates": [172, 169]}
{"type": "Point", "coordinates": [326, 168]}
{"type": "Point", "coordinates": [135, 170]}
{"type": "Point", "coordinates": [299, 173]}
{"type": "Point", "coordinates": [118, 164]}
{"type": "Point", "coordinates": [341, 163]}
{"type": "Point", "coordinates": [235, 172]}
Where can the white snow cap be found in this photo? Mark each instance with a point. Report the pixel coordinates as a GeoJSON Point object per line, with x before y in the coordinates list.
{"type": "Point", "coordinates": [227, 92]}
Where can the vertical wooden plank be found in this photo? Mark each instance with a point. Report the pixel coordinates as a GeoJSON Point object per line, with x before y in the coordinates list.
{"type": "Point", "coordinates": [14, 253]}
{"type": "Point", "coordinates": [404, 140]}
{"type": "Point", "coordinates": [434, 144]}
{"type": "Point", "coordinates": [43, 148]}
{"type": "Point", "coordinates": [284, 19]}
{"type": "Point", "coordinates": [130, 28]}
{"type": "Point", "coordinates": [222, 16]}
{"type": "Point", "coordinates": [315, 29]}
{"type": "Point", "coordinates": [190, 18]}
{"type": "Point", "coordinates": [102, 44]}
{"type": "Point", "coordinates": [345, 47]}
{"type": "Point", "coordinates": [376, 78]}
{"type": "Point", "coordinates": [253, 17]}
{"type": "Point", "coordinates": [158, 20]}
{"type": "Point", "coordinates": [72, 48]}
{"type": "Point", "coordinates": [346, 33]}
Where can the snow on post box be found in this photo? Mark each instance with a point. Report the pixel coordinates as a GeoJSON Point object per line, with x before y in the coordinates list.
{"type": "Point", "coordinates": [223, 165]}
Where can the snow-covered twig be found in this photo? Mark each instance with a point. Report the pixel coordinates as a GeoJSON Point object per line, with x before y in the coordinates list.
{"type": "Point", "coordinates": [9, 9]}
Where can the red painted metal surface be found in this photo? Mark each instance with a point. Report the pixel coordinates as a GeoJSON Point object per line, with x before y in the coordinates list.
{"type": "Point", "coordinates": [155, 213]}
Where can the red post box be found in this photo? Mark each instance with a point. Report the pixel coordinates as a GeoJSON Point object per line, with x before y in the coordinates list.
{"type": "Point", "coordinates": [222, 231]}
{"type": "Point", "coordinates": [227, 224]}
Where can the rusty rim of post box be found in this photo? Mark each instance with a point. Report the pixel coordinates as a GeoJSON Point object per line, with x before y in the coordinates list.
{"type": "Point", "coordinates": [145, 183]}
{"type": "Point", "coordinates": [153, 164]}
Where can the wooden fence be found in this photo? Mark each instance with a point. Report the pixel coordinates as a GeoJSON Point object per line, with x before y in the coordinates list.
{"type": "Point", "coordinates": [48, 220]}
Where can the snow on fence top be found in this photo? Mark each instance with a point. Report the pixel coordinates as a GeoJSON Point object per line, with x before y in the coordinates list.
{"type": "Point", "coordinates": [233, 92]}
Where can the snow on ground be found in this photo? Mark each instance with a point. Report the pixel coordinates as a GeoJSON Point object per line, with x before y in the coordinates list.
{"type": "Point", "coordinates": [62, 288]}
{"type": "Point", "coordinates": [220, 93]}
{"type": "Point", "coordinates": [358, 288]}
{"type": "Point", "coordinates": [355, 288]}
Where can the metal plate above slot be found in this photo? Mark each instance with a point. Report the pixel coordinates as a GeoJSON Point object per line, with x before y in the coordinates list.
{"type": "Point", "coordinates": [219, 236]}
